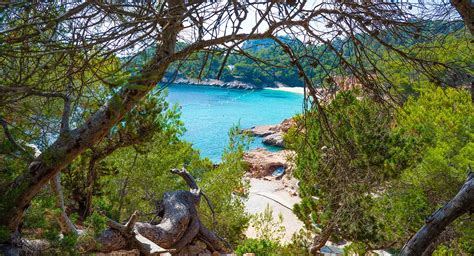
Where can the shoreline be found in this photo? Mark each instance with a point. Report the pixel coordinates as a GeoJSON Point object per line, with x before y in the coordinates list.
{"type": "Point", "coordinates": [235, 84]}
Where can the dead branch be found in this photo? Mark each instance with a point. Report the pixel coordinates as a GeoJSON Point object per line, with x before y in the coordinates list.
{"type": "Point", "coordinates": [462, 202]}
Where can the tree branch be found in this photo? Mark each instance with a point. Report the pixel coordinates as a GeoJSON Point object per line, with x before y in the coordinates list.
{"type": "Point", "coordinates": [67, 227]}
{"type": "Point", "coordinates": [9, 136]}
{"type": "Point", "coordinates": [462, 203]}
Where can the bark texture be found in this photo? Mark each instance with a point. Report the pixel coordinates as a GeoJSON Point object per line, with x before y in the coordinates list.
{"type": "Point", "coordinates": [462, 203]}
{"type": "Point", "coordinates": [319, 241]}
{"type": "Point", "coordinates": [466, 10]}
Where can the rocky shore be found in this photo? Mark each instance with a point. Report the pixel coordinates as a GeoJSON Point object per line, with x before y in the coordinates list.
{"type": "Point", "coordinates": [272, 135]}
{"type": "Point", "coordinates": [217, 83]}
{"type": "Point", "coordinates": [235, 84]}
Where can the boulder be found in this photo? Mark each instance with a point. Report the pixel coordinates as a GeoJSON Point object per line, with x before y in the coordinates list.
{"type": "Point", "coordinates": [286, 124]}
{"type": "Point", "coordinates": [262, 130]}
{"type": "Point", "coordinates": [275, 139]}
{"type": "Point", "coordinates": [272, 134]}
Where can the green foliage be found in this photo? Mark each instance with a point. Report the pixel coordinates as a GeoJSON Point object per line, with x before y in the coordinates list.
{"type": "Point", "coordinates": [432, 146]}
{"type": "Point", "coordinates": [4, 234]}
{"type": "Point", "coordinates": [341, 164]}
{"type": "Point", "coordinates": [366, 179]}
{"type": "Point", "coordinates": [452, 54]}
{"type": "Point", "coordinates": [224, 186]}
{"type": "Point", "coordinates": [143, 177]}
{"type": "Point", "coordinates": [389, 173]}
{"type": "Point", "coordinates": [276, 69]}
{"type": "Point", "coordinates": [258, 246]}
{"type": "Point", "coordinates": [299, 244]}
{"type": "Point", "coordinates": [266, 227]}
{"type": "Point", "coordinates": [96, 223]}
{"type": "Point", "coordinates": [270, 233]}
{"type": "Point", "coordinates": [151, 120]}
{"type": "Point", "coordinates": [131, 172]}
{"type": "Point", "coordinates": [355, 249]}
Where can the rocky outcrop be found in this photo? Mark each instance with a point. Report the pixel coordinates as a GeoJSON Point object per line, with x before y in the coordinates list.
{"type": "Point", "coordinates": [213, 82]}
{"type": "Point", "coordinates": [262, 162]}
{"type": "Point", "coordinates": [276, 139]}
{"type": "Point", "coordinates": [261, 131]}
{"type": "Point", "coordinates": [272, 134]}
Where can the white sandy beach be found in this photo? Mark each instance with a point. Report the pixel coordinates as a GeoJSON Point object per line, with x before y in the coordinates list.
{"type": "Point", "coordinates": [262, 193]}
{"type": "Point", "coordinates": [299, 90]}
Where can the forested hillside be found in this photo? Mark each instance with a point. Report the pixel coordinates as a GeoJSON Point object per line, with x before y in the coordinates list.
{"type": "Point", "coordinates": [263, 63]}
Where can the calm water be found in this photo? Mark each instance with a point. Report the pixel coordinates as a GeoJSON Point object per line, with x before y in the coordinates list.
{"type": "Point", "coordinates": [209, 112]}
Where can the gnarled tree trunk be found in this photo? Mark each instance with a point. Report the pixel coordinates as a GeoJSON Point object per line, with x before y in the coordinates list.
{"type": "Point", "coordinates": [179, 232]}
{"type": "Point", "coordinates": [179, 227]}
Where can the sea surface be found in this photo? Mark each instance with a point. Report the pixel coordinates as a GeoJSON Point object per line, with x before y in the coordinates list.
{"type": "Point", "coordinates": [209, 112]}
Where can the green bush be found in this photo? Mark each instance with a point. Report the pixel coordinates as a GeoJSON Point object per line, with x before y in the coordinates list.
{"type": "Point", "coordinates": [258, 246]}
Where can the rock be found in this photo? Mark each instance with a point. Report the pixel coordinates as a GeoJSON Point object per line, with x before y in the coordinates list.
{"type": "Point", "coordinates": [134, 252]}
{"type": "Point", "coordinates": [262, 162]}
{"type": "Point", "coordinates": [287, 124]}
{"type": "Point", "coordinates": [275, 139]}
{"type": "Point", "coordinates": [292, 192]}
{"type": "Point", "coordinates": [213, 82]}
{"type": "Point", "coordinates": [193, 249]}
{"type": "Point", "coordinates": [273, 134]}
{"type": "Point", "coordinates": [262, 130]}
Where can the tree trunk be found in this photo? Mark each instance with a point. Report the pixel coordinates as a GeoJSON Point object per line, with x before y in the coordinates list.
{"type": "Point", "coordinates": [179, 227]}
{"type": "Point", "coordinates": [180, 230]}
{"type": "Point", "coordinates": [320, 240]}
{"type": "Point", "coordinates": [462, 203]}
{"type": "Point", "coordinates": [16, 198]}
{"type": "Point", "coordinates": [91, 177]}
{"type": "Point", "coordinates": [67, 227]}
{"type": "Point", "coordinates": [466, 10]}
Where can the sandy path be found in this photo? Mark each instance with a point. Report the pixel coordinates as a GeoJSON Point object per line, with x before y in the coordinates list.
{"type": "Point", "coordinates": [263, 193]}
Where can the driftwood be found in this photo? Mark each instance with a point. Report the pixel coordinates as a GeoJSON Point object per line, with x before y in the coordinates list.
{"type": "Point", "coordinates": [180, 226]}
{"type": "Point", "coordinates": [462, 203]}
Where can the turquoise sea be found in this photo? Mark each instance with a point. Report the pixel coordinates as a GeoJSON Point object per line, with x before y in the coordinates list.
{"type": "Point", "coordinates": [209, 112]}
